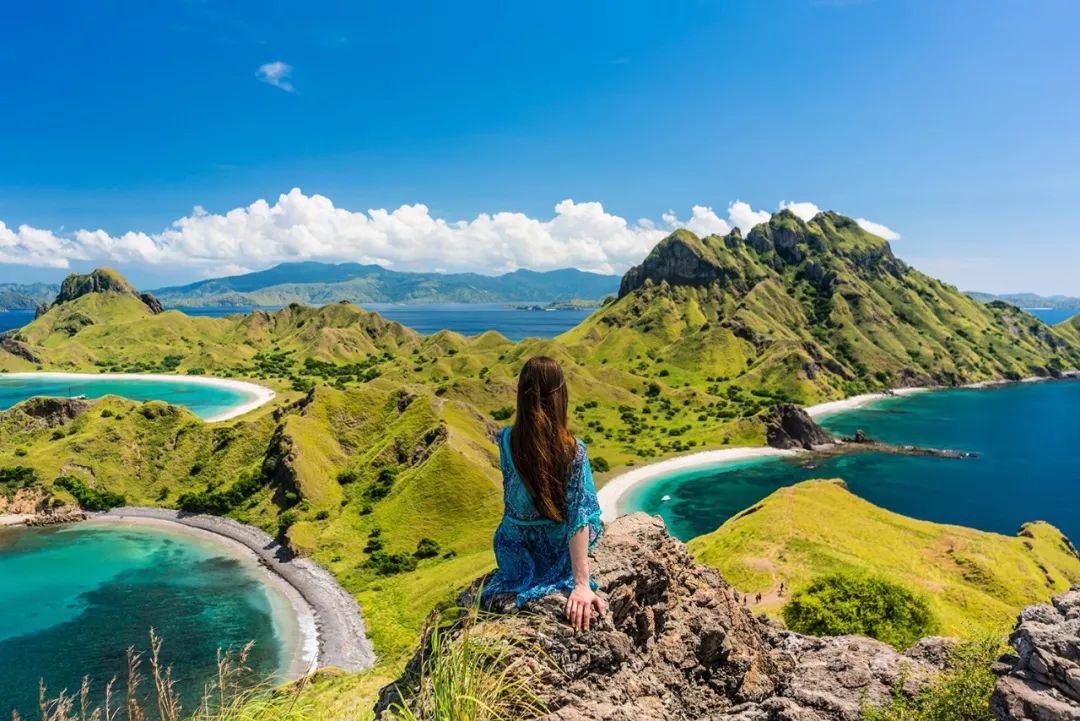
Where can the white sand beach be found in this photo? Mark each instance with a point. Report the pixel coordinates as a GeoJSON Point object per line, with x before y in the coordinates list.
{"type": "Point", "coordinates": [258, 394]}
{"type": "Point", "coordinates": [821, 410]}
{"type": "Point", "coordinates": [613, 491]}
{"type": "Point", "coordinates": [328, 623]}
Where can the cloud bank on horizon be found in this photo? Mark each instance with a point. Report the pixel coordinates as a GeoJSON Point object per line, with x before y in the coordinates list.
{"type": "Point", "coordinates": [310, 227]}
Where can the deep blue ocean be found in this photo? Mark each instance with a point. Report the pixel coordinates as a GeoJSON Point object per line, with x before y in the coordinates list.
{"type": "Point", "coordinates": [1028, 465]}
{"type": "Point", "coordinates": [464, 318]}
{"type": "Point", "coordinates": [74, 598]}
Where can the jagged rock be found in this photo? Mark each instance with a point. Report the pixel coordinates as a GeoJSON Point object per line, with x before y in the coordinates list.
{"type": "Point", "coordinates": [1042, 681]}
{"type": "Point", "coordinates": [788, 426]}
{"type": "Point", "coordinates": [54, 411]}
{"type": "Point", "coordinates": [16, 348]}
{"type": "Point", "coordinates": [678, 260]}
{"type": "Point", "coordinates": [102, 280]}
{"type": "Point", "coordinates": [151, 302]}
{"type": "Point", "coordinates": [677, 644]}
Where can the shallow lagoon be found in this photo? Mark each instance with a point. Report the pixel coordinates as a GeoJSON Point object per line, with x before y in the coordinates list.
{"type": "Point", "coordinates": [76, 597]}
{"type": "Point", "coordinates": [208, 400]}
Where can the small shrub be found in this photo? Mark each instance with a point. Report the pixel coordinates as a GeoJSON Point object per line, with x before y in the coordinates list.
{"type": "Point", "coordinates": [383, 484]}
{"type": "Point", "coordinates": [285, 522]}
{"type": "Point", "coordinates": [20, 452]}
{"type": "Point", "coordinates": [322, 515]}
{"type": "Point", "coordinates": [106, 413]}
{"type": "Point", "coordinates": [501, 414]}
{"type": "Point", "coordinates": [838, 604]}
{"type": "Point", "coordinates": [427, 548]}
{"type": "Point", "coordinates": [600, 464]}
{"type": "Point", "coordinates": [389, 564]}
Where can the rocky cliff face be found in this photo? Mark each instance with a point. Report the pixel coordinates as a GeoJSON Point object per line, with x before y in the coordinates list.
{"type": "Point", "coordinates": [1041, 681]}
{"type": "Point", "coordinates": [677, 643]}
{"type": "Point", "coordinates": [102, 280]}
{"type": "Point", "coordinates": [788, 426]}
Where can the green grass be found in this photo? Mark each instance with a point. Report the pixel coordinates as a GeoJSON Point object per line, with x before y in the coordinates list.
{"type": "Point", "coordinates": [960, 693]}
{"type": "Point", "coordinates": [972, 579]}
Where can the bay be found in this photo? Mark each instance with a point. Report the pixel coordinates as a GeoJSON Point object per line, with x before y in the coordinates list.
{"type": "Point", "coordinates": [76, 597]}
{"type": "Point", "coordinates": [1027, 467]}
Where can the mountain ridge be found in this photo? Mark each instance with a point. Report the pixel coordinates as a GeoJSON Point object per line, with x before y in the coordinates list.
{"type": "Point", "coordinates": [313, 282]}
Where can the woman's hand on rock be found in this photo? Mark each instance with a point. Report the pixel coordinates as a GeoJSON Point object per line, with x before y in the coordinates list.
{"type": "Point", "coordinates": [580, 605]}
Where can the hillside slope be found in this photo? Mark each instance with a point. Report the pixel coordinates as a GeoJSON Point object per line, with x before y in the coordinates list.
{"type": "Point", "coordinates": [815, 527]}
{"type": "Point", "coordinates": [813, 311]}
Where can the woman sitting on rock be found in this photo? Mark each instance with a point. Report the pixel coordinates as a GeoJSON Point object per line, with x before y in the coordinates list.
{"type": "Point", "coordinates": [551, 519]}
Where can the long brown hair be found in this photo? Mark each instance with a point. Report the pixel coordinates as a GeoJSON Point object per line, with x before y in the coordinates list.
{"type": "Point", "coordinates": [541, 444]}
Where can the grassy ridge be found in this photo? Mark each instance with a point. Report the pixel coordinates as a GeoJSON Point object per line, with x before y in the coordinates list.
{"type": "Point", "coordinates": [972, 578]}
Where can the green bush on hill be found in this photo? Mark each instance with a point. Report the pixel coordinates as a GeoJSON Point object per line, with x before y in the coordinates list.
{"type": "Point", "coordinates": [90, 499]}
{"type": "Point", "coordinates": [221, 502]}
{"type": "Point", "coordinates": [16, 477]}
{"type": "Point", "coordinates": [839, 604]}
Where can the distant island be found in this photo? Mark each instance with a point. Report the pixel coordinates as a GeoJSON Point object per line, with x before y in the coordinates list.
{"type": "Point", "coordinates": [1029, 300]}
{"type": "Point", "coordinates": [312, 283]}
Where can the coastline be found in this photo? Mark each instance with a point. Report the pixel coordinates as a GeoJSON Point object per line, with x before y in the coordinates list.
{"type": "Point", "coordinates": [614, 490]}
{"type": "Point", "coordinates": [259, 394]}
{"type": "Point", "coordinates": [331, 628]}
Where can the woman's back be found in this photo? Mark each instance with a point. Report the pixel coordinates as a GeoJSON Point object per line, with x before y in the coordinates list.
{"type": "Point", "coordinates": [533, 551]}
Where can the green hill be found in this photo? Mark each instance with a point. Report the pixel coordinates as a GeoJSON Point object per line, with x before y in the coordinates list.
{"type": "Point", "coordinates": [813, 311]}
{"type": "Point", "coordinates": [971, 578]}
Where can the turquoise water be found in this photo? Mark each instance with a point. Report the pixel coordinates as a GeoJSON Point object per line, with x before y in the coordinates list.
{"type": "Point", "coordinates": [205, 401]}
{"type": "Point", "coordinates": [1028, 468]}
{"type": "Point", "coordinates": [75, 598]}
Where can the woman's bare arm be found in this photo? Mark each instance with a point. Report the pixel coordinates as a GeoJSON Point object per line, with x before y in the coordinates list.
{"type": "Point", "coordinates": [582, 600]}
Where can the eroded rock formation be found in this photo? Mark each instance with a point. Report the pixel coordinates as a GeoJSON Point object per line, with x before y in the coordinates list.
{"type": "Point", "coordinates": [1041, 681]}
{"type": "Point", "coordinates": [788, 426]}
{"type": "Point", "coordinates": [677, 643]}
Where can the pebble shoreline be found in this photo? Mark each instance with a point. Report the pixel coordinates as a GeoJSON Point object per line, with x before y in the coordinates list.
{"type": "Point", "coordinates": [340, 632]}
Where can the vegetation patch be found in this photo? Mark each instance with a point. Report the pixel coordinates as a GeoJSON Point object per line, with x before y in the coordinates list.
{"type": "Point", "coordinates": [842, 604]}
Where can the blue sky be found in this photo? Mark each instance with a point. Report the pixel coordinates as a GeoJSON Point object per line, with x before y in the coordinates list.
{"type": "Point", "coordinates": [954, 124]}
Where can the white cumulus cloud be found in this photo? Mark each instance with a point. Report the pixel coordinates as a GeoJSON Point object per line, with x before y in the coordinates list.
{"type": "Point", "coordinates": [881, 231]}
{"type": "Point", "coordinates": [310, 227]}
{"type": "Point", "coordinates": [804, 210]}
{"type": "Point", "coordinates": [744, 217]}
{"type": "Point", "coordinates": [277, 74]}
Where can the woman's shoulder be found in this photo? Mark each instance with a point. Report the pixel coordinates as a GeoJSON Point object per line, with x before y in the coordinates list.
{"type": "Point", "coordinates": [581, 451]}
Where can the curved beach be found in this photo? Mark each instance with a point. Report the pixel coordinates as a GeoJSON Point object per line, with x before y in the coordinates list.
{"type": "Point", "coordinates": [614, 490]}
{"type": "Point", "coordinates": [331, 627]}
{"type": "Point", "coordinates": [258, 394]}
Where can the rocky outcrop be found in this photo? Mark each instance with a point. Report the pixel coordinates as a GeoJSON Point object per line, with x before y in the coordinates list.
{"type": "Point", "coordinates": [788, 426]}
{"type": "Point", "coordinates": [680, 259]}
{"type": "Point", "coordinates": [53, 412]}
{"type": "Point", "coordinates": [1041, 681]}
{"type": "Point", "coordinates": [16, 348]}
{"type": "Point", "coordinates": [677, 643]}
{"type": "Point", "coordinates": [102, 280]}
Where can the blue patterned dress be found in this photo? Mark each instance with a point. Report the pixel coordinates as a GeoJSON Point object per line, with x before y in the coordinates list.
{"type": "Point", "coordinates": [533, 552]}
